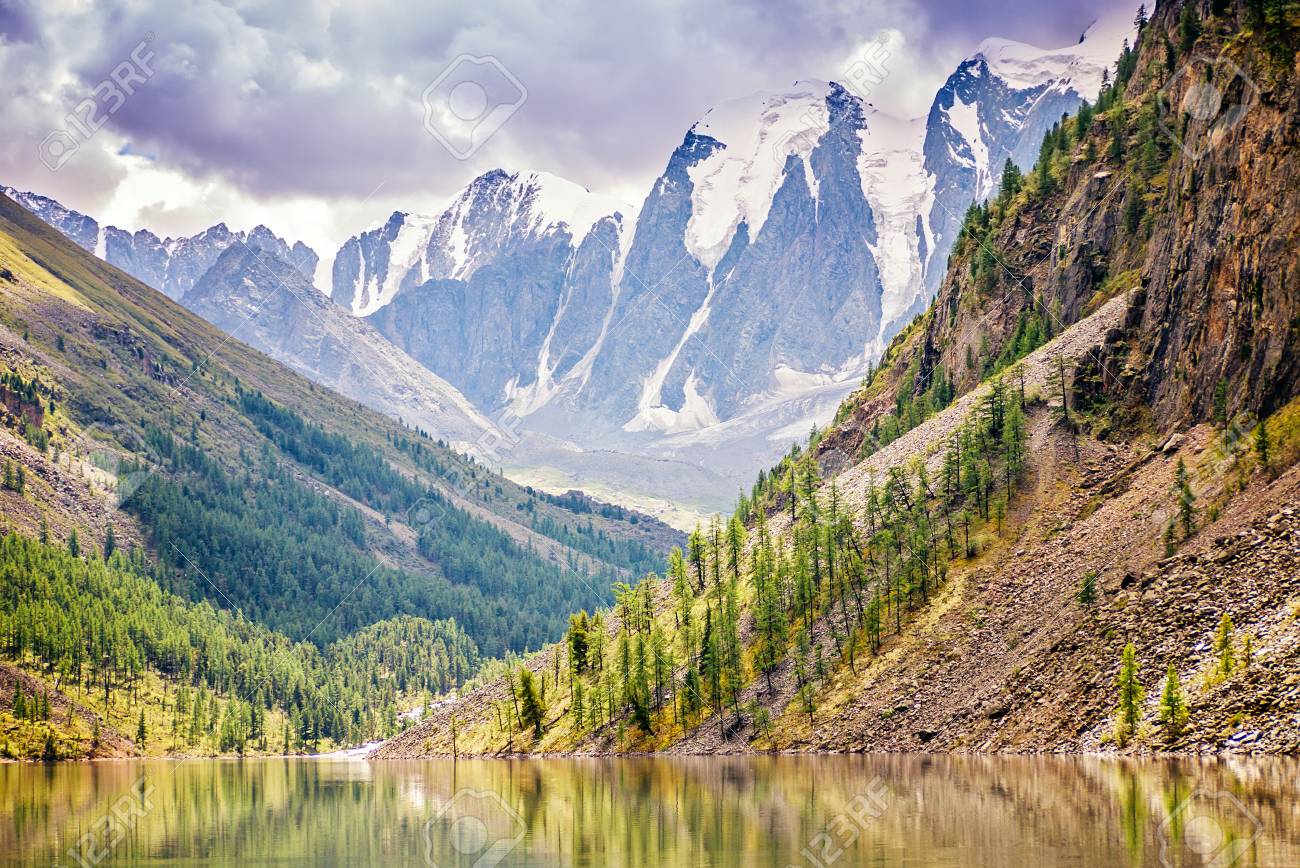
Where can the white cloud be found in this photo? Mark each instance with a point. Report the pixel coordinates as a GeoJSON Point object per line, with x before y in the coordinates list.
{"type": "Point", "coordinates": [306, 115]}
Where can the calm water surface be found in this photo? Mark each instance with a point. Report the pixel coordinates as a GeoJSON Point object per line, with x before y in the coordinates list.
{"type": "Point", "coordinates": [815, 812]}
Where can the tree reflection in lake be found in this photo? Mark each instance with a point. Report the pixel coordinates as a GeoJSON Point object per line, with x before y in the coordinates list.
{"type": "Point", "coordinates": [814, 811]}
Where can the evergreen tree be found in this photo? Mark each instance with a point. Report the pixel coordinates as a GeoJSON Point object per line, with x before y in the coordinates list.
{"type": "Point", "coordinates": [1221, 402]}
{"type": "Point", "coordinates": [1173, 707]}
{"type": "Point", "coordinates": [141, 733]}
{"type": "Point", "coordinates": [1262, 445]}
{"type": "Point", "coordinates": [1129, 712]}
{"type": "Point", "coordinates": [1088, 589]}
{"type": "Point", "coordinates": [1223, 646]}
{"type": "Point", "coordinates": [532, 712]}
{"type": "Point", "coordinates": [1189, 27]}
{"type": "Point", "coordinates": [1186, 499]}
{"type": "Point", "coordinates": [579, 628]}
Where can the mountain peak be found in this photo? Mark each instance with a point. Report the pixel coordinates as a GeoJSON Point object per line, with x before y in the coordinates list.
{"type": "Point", "coordinates": [1023, 66]}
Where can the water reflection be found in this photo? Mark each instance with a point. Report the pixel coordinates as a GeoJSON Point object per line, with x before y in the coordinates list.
{"type": "Point", "coordinates": [763, 811]}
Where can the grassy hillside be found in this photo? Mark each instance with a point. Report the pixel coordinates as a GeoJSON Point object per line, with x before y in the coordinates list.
{"type": "Point", "coordinates": [134, 383]}
{"type": "Point", "coordinates": [144, 451]}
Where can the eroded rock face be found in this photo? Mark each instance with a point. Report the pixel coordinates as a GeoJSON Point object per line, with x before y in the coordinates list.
{"type": "Point", "coordinates": [1207, 237]}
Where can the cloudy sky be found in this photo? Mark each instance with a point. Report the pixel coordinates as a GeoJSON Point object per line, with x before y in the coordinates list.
{"type": "Point", "coordinates": [309, 115]}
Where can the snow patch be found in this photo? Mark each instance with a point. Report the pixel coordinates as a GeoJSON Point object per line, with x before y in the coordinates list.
{"type": "Point", "coordinates": [405, 253]}
{"type": "Point", "coordinates": [695, 413]}
{"type": "Point", "coordinates": [557, 200]}
{"type": "Point", "coordinates": [964, 118]}
{"type": "Point", "coordinates": [737, 182]}
{"type": "Point", "coordinates": [1024, 66]}
{"type": "Point", "coordinates": [891, 165]}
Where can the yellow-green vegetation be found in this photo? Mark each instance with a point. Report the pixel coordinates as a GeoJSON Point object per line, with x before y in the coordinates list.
{"type": "Point", "coordinates": [21, 266]}
{"type": "Point", "coordinates": [754, 628]}
{"type": "Point", "coordinates": [1128, 715]}
{"type": "Point", "coordinates": [177, 720]}
{"type": "Point", "coordinates": [104, 633]}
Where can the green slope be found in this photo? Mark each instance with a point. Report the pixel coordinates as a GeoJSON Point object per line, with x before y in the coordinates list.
{"type": "Point", "coordinates": [263, 492]}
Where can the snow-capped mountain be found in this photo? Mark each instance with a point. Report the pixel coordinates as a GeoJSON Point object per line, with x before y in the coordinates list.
{"type": "Point", "coordinates": [790, 235]}
{"type": "Point", "coordinates": [495, 212]}
{"type": "Point", "coordinates": [170, 265]}
{"type": "Point", "coordinates": [999, 103]}
{"type": "Point", "coordinates": [273, 306]}
{"type": "Point", "coordinates": [502, 293]}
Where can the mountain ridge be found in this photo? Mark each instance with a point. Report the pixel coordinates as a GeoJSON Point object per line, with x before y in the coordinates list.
{"type": "Point", "coordinates": [718, 316]}
{"type": "Point", "coordinates": [1060, 515]}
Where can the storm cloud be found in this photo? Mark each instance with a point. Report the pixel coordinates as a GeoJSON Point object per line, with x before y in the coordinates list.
{"type": "Point", "coordinates": [321, 101]}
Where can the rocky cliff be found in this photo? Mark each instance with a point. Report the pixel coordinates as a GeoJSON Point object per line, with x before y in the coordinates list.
{"type": "Point", "coordinates": [1075, 472]}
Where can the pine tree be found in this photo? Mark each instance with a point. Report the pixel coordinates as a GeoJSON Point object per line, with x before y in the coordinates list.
{"type": "Point", "coordinates": [1129, 711]}
{"type": "Point", "coordinates": [1221, 402]}
{"type": "Point", "coordinates": [1088, 589]}
{"type": "Point", "coordinates": [1189, 27]}
{"type": "Point", "coordinates": [141, 733]}
{"type": "Point", "coordinates": [695, 548]}
{"type": "Point", "coordinates": [1058, 381]}
{"type": "Point", "coordinates": [110, 543]}
{"type": "Point", "coordinates": [1173, 708]}
{"type": "Point", "coordinates": [579, 628]}
{"type": "Point", "coordinates": [1186, 498]}
{"type": "Point", "coordinates": [1223, 646]}
{"type": "Point", "coordinates": [532, 712]}
{"type": "Point", "coordinates": [1262, 445]}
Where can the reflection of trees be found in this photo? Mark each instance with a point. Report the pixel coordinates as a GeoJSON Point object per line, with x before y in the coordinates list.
{"type": "Point", "coordinates": [640, 811]}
